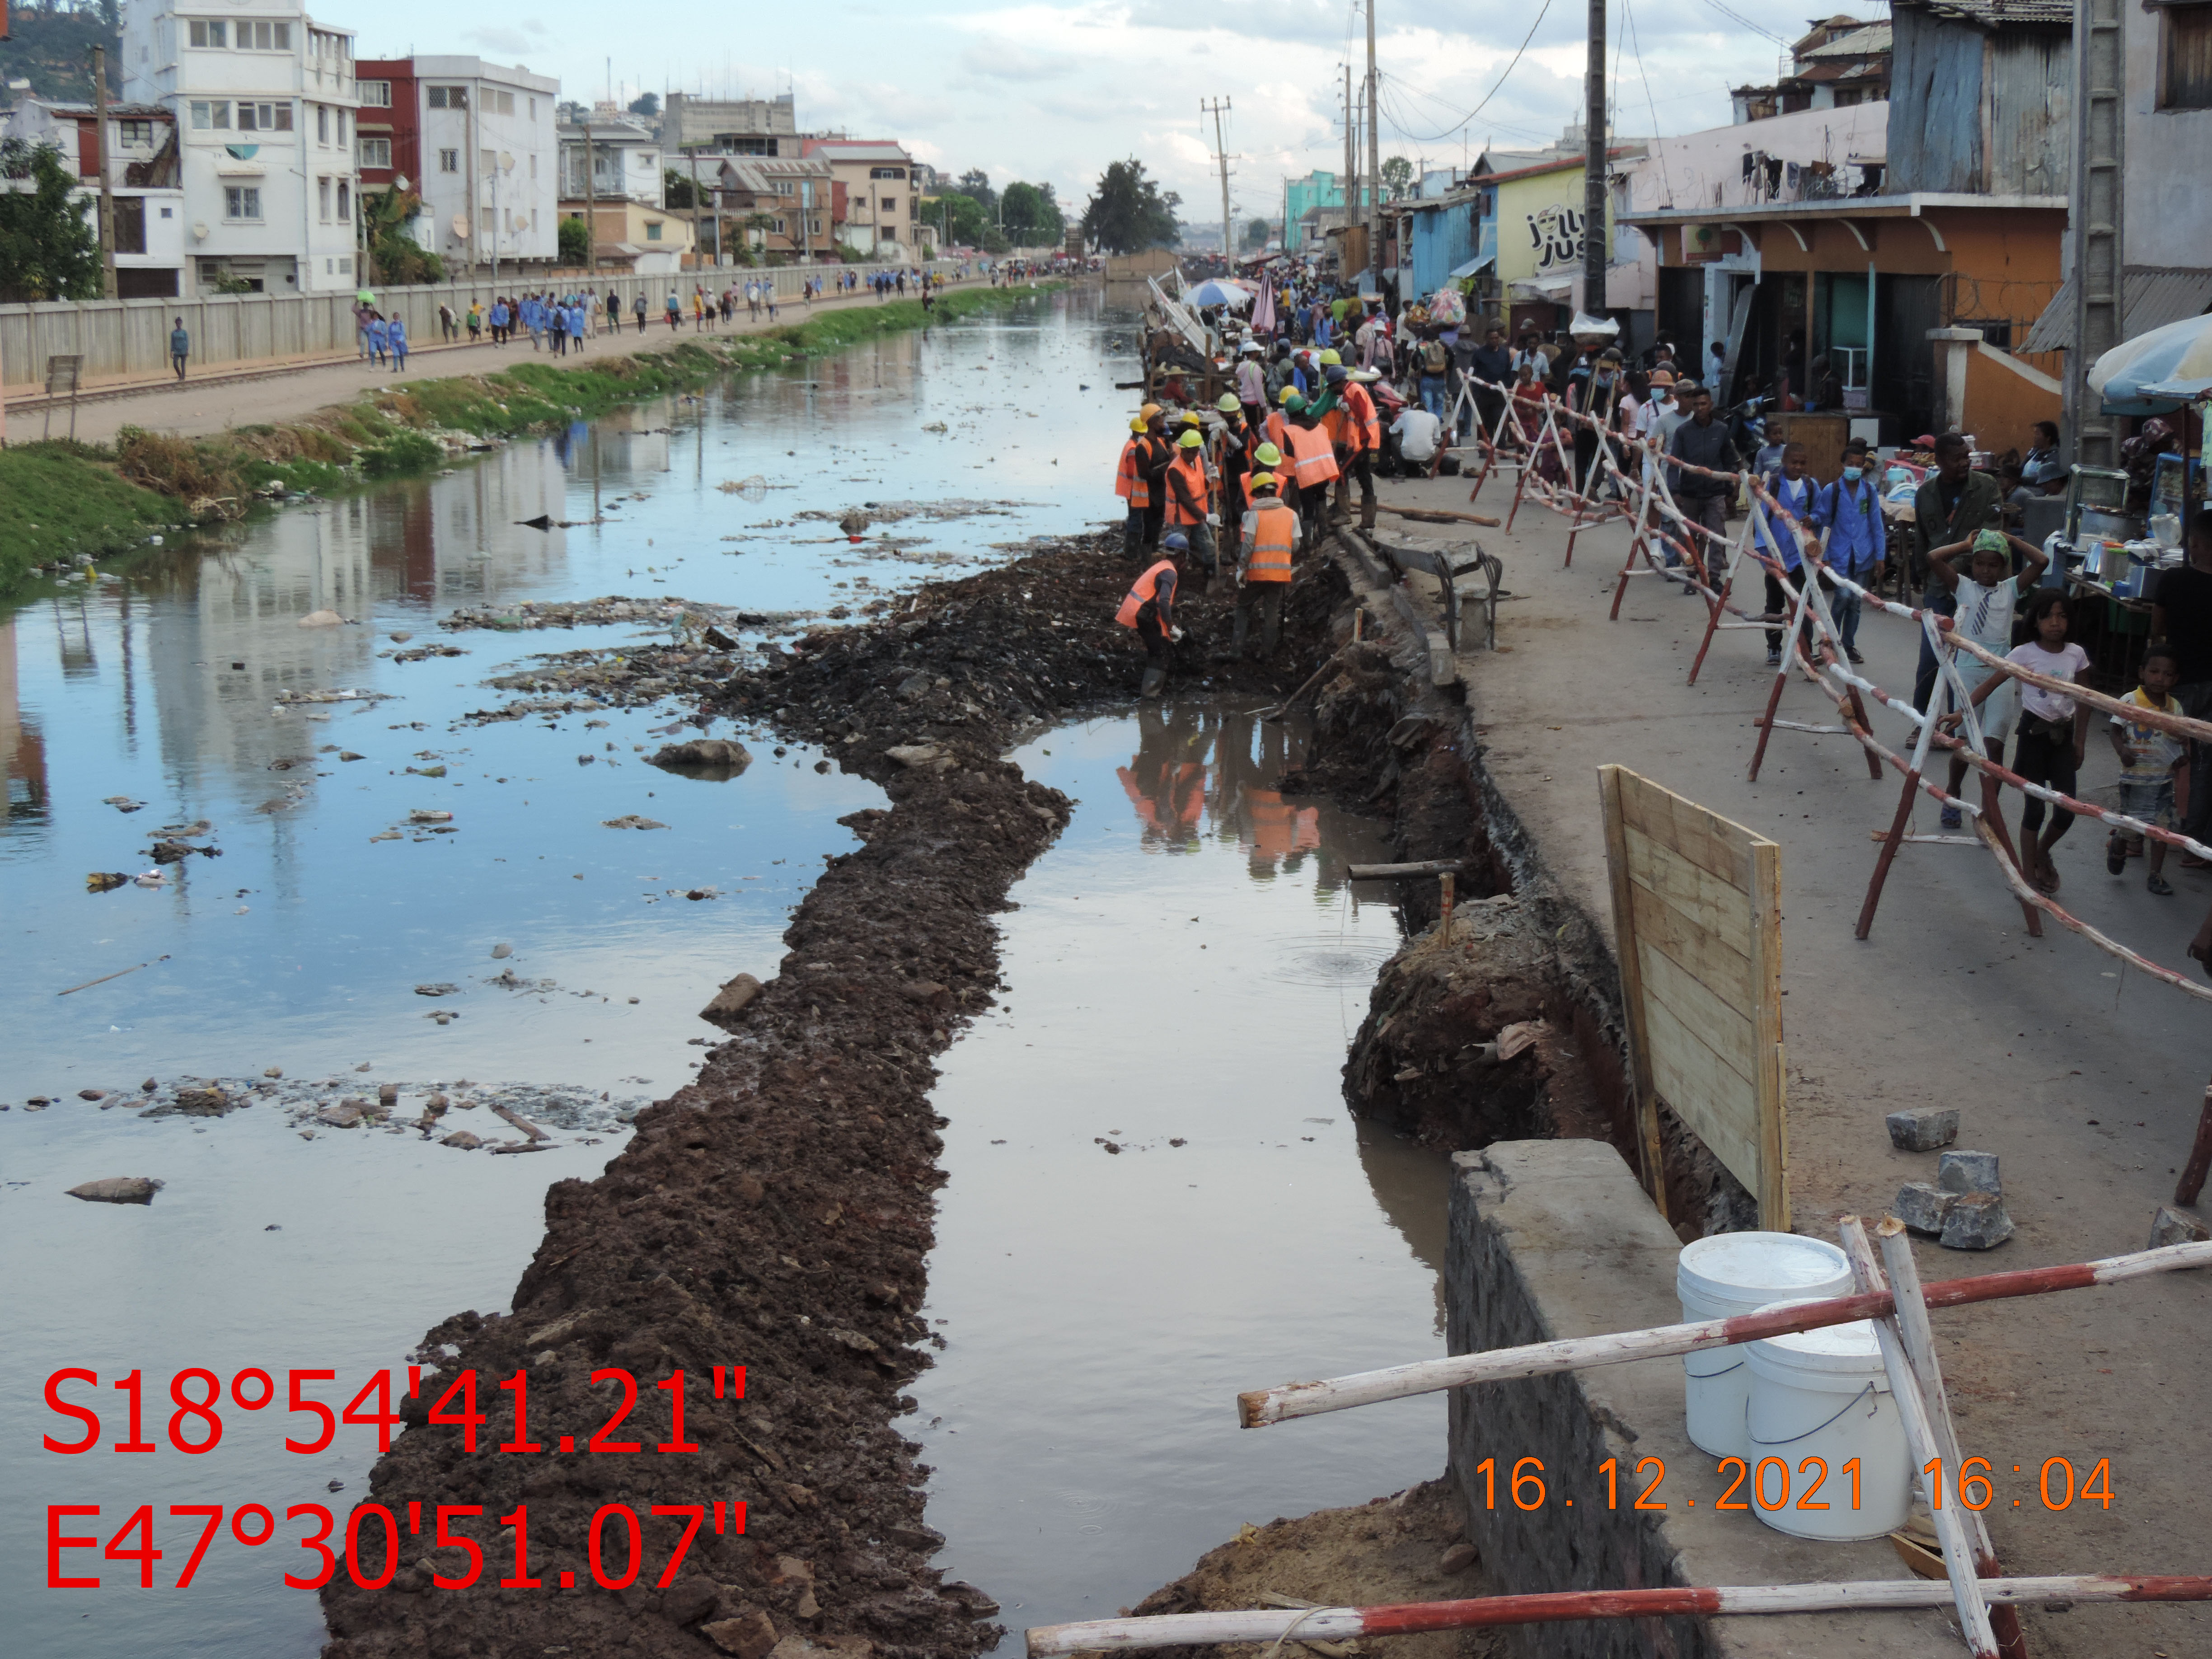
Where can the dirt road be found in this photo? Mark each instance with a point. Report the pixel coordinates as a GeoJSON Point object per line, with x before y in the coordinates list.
{"type": "Point", "coordinates": [2084, 1077]}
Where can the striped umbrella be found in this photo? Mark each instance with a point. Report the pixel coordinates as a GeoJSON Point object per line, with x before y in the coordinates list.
{"type": "Point", "coordinates": [2148, 374]}
{"type": "Point", "coordinates": [1263, 314]}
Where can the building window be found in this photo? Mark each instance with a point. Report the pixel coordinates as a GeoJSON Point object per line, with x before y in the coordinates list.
{"type": "Point", "coordinates": [375, 93]}
{"type": "Point", "coordinates": [886, 173]}
{"type": "Point", "coordinates": [346, 200]}
{"type": "Point", "coordinates": [345, 266]}
{"type": "Point", "coordinates": [778, 227]}
{"type": "Point", "coordinates": [135, 134]}
{"type": "Point", "coordinates": [499, 103]}
{"type": "Point", "coordinates": [210, 34]}
{"type": "Point", "coordinates": [241, 202]}
{"type": "Point", "coordinates": [449, 160]}
{"type": "Point", "coordinates": [890, 205]}
{"type": "Point", "coordinates": [210, 117]}
{"type": "Point", "coordinates": [252, 35]}
{"type": "Point", "coordinates": [487, 161]}
{"type": "Point", "coordinates": [376, 152]}
{"type": "Point", "coordinates": [533, 164]}
{"type": "Point", "coordinates": [449, 98]}
{"type": "Point", "coordinates": [322, 124]}
{"type": "Point", "coordinates": [653, 230]}
{"type": "Point", "coordinates": [265, 117]}
{"type": "Point", "coordinates": [129, 224]}
{"type": "Point", "coordinates": [2185, 78]}
{"type": "Point", "coordinates": [323, 197]}
{"type": "Point", "coordinates": [533, 109]}
{"type": "Point", "coordinates": [345, 119]}
{"type": "Point", "coordinates": [488, 221]}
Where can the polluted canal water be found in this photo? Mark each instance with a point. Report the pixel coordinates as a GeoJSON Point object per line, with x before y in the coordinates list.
{"type": "Point", "coordinates": [334, 934]}
{"type": "Point", "coordinates": [1157, 1197]}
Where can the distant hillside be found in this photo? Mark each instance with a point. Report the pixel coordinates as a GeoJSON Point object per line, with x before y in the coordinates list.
{"type": "Point", "coordinates": [52, 49]}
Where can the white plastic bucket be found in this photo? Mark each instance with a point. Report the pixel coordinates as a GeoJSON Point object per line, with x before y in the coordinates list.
{"type": "Point", "coordinates": [1732, 1273]}
{"type": "Point", "coordinates": [1823, 1430]}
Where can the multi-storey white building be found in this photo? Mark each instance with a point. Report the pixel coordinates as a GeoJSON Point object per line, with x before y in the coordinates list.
{"type": "Point", "coordinates": [140, 157]}
{"type": "Point", "coordinates": [264, 106]}
{"type": "Point", "coordinates": [477, 140]}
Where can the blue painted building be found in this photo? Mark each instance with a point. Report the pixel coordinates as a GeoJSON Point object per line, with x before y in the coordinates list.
{"type": "Point", "coordinates": [1455, 233]}
{"type": "Point", "coordinates": [1300, 196]}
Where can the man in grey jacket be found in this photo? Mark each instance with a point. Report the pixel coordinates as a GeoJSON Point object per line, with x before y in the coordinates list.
{"type": "Point", "coordinates": [1701, 441]}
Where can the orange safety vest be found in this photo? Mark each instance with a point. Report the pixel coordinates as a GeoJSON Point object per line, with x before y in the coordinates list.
{"type": "Point", "coordinates": [1272, 542]}
{"type": "Point", "coordinates": [1279, 431]}
{"type": "Point", "coordinates": [1192, 464]}
{"type": "Point", "coordinates": [1315, 462]}
{"type": "Point", "coordinates": [1361, 408]}
{"type": "Point", "coordinates": [1128, 482]}
{"type": "Point", "coordinates": [1145, 591]}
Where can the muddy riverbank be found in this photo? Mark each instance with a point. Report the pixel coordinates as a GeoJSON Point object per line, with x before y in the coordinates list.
{"type": "Point", "coordinates": [776, 1212]}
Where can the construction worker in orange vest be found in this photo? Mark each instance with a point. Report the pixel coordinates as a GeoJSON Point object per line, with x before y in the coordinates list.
{"type": "Point", "coordinates": [1359, 440]}
{"type": "Point", "coordinates": [1263, 574]}
{"type": "Point", "coordinates": [1133, 487]}
{"type": "Point", "coordinates": [1277, 429]}
{"type": "Point", "coordinates": [1313, 464]}
{"type": "Point", "coordinates": [1149, 608]}
{"type": "Point", "coordinates": [1190, 497]}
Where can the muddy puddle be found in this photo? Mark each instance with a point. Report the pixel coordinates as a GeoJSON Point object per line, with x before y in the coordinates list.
{"type": "Point", "coordinates": [381, 892]}
{"type": "Point", "coordinates": [1157, 1196]}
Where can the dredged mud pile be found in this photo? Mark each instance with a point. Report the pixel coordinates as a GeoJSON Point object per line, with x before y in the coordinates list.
{"type": "Point", "coordinates": [776, 1213]}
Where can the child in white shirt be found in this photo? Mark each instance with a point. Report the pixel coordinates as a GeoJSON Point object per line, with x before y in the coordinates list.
{"type": "Point", "coordinates": [2149, 754]}
{"type": "Point", "coordinates": [2054, 732]}
{"type": "Point", "coordinates": [1986, 601]}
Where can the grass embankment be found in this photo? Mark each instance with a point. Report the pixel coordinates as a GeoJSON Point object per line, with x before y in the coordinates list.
{"type": "Point", "coordinates": [63, 499]}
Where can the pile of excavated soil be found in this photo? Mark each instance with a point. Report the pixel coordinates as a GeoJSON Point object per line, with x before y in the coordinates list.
{"type": "Point", "coordinates": [777, 1212]}
{"type": "Point", "coordinates": [1402, 1548]}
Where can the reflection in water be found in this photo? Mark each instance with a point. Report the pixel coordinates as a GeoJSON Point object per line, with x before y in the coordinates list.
{"type": "Point", "coordinates": [1185, 993]}
{"type": "Point", "coordinates": [23, 749]}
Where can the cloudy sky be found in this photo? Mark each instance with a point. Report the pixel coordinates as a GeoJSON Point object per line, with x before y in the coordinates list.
{"type": "Point", "coordinates": [1054, 89]}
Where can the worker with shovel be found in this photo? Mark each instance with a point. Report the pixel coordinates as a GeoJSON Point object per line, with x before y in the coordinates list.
{"type": "Point", "coordinates": [1149, 607]}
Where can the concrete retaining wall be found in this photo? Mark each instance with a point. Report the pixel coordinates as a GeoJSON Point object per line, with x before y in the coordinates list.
{"type": "Point", "coordinates": [118, 338]}
{"type": "Point", "coordinates": [1551, 1239]}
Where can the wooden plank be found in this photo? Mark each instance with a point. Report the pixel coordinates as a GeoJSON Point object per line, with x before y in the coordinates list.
{"type": "Point", "coordinates": [1773, 1190]}
{"type": "Point", "coordinates": [1707, 903]}
{"type": "Point", "coordinates": [1698, 836]}
{"type": "Point", "coordinates": [1722, 1029]}
{"type": "Point", "coordinates": [1611, 780]}
{"type": "Point", "coordinates": [1705, 1092]}
{"type": "Point", "coordinates": [1727, 974]}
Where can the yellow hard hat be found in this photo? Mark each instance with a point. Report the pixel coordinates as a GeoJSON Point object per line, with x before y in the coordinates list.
{"type": "Point", "coordinates": [1268, 455]}
{"type": "Point", "coordinates": [1329, 359]}
{"type": "Point", "coordinates": [1190, 441]}
{"type": "Point", "coordinates": [1190, 418]}
{"type": "Point", "coordinates": [1136, 423]}
{"type": "Point", "coordinates": [1228, 403]}
{"type": "Point", "coordinates": [1263, 481]}
{"type": "Point", "coordinates": [1286, 394]}
{"type": "Point", "coordinates": [1148, 411]}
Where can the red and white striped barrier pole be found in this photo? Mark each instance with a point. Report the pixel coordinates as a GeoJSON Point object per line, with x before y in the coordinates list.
{"type": "Point", "coordinates": [1260, 1407]}
{"type": "Point", "coordinates": [1562, 1607]}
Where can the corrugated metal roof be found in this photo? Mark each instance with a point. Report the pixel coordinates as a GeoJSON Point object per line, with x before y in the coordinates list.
{"type": "Point", "coordinates": [1997, 13]}
{"type": "Point", "coordinates": [1869, 42]}
{"type": "Point", "coordinates": [2153, 298]}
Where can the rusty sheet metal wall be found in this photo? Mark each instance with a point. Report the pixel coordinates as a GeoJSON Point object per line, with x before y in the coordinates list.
{"type": "Point", "coordinates": [2031, 116]}
{"type": "Point", "coordinates": [1935, 105]}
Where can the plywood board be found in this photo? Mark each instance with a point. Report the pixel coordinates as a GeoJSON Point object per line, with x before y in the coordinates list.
{"type": "Point", "coordinates": [1696, 912]}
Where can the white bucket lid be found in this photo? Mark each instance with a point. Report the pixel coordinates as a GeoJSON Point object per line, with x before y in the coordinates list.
{"type": "Point", "coordinates": [1741, 1273]}
{"type": "Point", "coordinates": [1840, 1351]}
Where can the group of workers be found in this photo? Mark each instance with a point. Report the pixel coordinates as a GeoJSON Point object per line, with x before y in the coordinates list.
{"type": "Point", "coordinates": [1263, 476]}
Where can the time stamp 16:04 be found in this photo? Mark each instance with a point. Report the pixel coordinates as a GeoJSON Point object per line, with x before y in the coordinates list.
{"type": "Point", "coordinates": [1772, 1483]}
{"type": "Point", "coordinates": [617, 1553]}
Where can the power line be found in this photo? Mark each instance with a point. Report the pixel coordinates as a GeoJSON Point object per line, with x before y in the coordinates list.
{"type": "Point", "coordinates": [1426, 138]}
{"type": "Point", "coordinates": [1741, 21]}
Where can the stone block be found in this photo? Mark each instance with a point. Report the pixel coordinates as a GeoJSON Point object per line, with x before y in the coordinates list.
{"type": "Point", "coordinates": [1922, 1207]}
{"type": "Point", "coordinates": [730, 1001]}
{"type": "Point", "coordinates": [1923, 1128]}
{"type": "Point", "coordinates": [1969, 1172]}
{"type": "Point", "coordinates": [1977, 1221]}
{"type": "Point", "coordinates": [2172, 1226]}
{"type": "Point", "coordinates": [749, 1637]}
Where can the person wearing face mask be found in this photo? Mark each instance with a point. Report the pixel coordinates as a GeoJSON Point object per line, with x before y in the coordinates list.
{"type": "Point", "coordinates": [1849, 514]}
{"type": "Point", "coordinates": [1594, 396]}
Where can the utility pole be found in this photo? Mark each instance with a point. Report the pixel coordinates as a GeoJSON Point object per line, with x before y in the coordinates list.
{"type": "Point", "coordinates": [1375, 160]}
{"type": "Point", "coordinates": [1227, 231]}
{"type": "Point", "coordinates": [106, 184]}
{"type": "Point", "coordinates": [1351, 191]}
{"type": "Point", "coordinates": [698, 258]}
{"type": "Point", "coordinates": [2099, 82]}
{"type": "Point", "coordinates": [1593, 184]}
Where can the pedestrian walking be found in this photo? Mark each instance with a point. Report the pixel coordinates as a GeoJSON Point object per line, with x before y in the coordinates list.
{"type": "Point", "coordinates": [396, 338]}
{"type": "Point", "coordinates": [476, 323]}
{"type": "Point", "coordinates": [2150, 758]}
{"type": "Point", "coordinates": [379, 338]}
{"type": "Point", "coordinates": [637, 309]}
{"type": "Point", "coordinates": [180, 347]}
{"type": "Point", "coordinates": [2053, 737]}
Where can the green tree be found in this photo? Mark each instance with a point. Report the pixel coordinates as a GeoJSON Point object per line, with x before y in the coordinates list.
{"type": "Point", "coordinates": [575, 241]}
{"type": "Point", "coordinates": [49, 243]}
{"type": "Point", "coordinates": [1128, 211]}
{"type": "Point", "coordinates": [976, 185]}
{"type": "Point", "coordinates": [1397, 179]}
{"type": "Point", "coordinates": [646, 104]}
{"type": "Point", "coordinates": [675, 188]}
{"type": "Point", "coordinates": [960, 218]}
{"type": "Point", "coordinates": [394, 255]}
{"type": "Point", "coordinates": [1033, 218]}
{"type": "Point", "coordinates": [1256, 232]}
